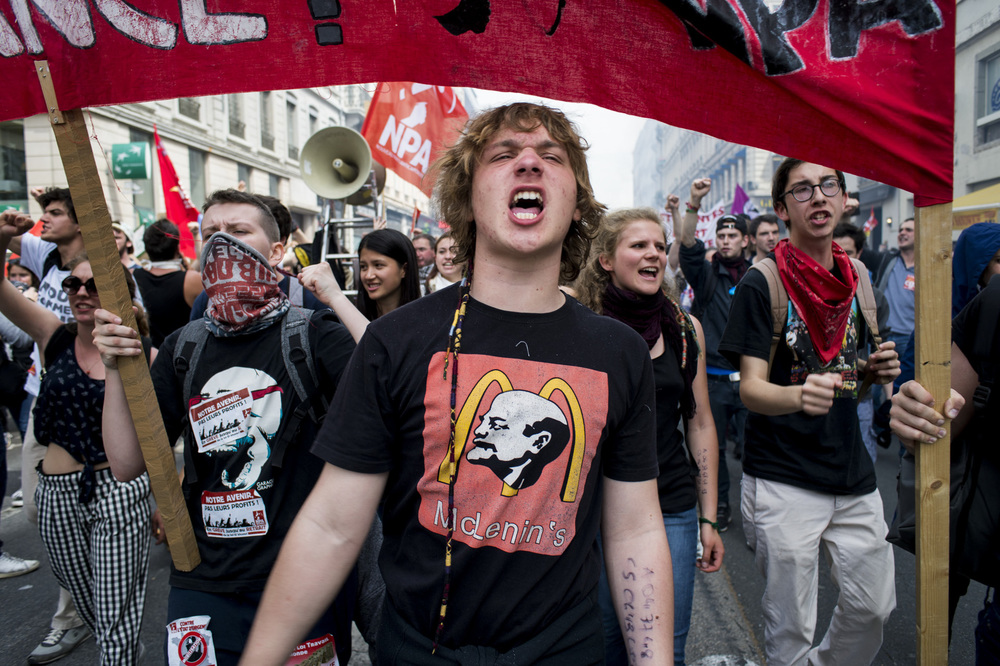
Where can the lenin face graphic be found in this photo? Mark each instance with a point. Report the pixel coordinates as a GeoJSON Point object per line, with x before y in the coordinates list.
{"type": "Point", "coordinates": [519, 435]}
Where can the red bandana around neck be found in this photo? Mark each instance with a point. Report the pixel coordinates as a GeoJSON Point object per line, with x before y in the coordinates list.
{"type": "Point", "coordinates": [242, 287]}
{"type": "Point", "coordinates": [823, 301]}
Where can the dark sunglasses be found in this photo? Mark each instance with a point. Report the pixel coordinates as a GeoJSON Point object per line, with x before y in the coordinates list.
{"type": "Point", "coordinates": [72, 284]}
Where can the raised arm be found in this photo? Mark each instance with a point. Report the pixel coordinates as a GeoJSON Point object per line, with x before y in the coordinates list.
{"type": "Point", "coordinates": [33, 319]}
{"type": "Point", "coordinates": [673, 207]}
{"type": "Point", "coordinates": [639, 570]}
{"type": "Point", "coordinates": [319, 279]}
{"type": "Point", "coordinates": [324, 540]}
{"type": "Point", "coordinates": [699, 188]}
{"type": "Point", "coordinates": [704, 446]}
{"type": "Point", "coordinates": [120, 440]}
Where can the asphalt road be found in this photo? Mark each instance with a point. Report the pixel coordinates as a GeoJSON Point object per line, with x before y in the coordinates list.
{"type": "Point", "coordinates": [727, 628]}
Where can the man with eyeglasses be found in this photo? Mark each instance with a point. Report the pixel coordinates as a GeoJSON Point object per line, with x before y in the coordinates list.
{"type": "Point", "coordinates": [808, 482]}
{"type": "Point", "coordinates": [713, 283]}
{"type": "Point", "coordinates": [45, 256]}
{"type": "Point", "coordinates": [896, 278]}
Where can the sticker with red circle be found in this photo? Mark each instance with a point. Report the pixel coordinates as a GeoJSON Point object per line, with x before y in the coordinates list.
{"type": "Point", "coordinates": [190, 642]}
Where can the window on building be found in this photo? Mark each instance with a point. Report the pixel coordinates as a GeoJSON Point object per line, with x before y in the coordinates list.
{"type": "Point", "coordinates": [988, 100]}
{"type": "Point", "coordinates": [196, 169]}
{"type": "Point", "coordinates": [13, 166]}
{"type": "Point", "coordinates": [189, 107]}
{"type": "Point", "coordinates": [236, 125]}
{"type": "Point", "coordinates": [313, 121]}
{"type": "Point", "coordinates": [293, 140]}
{"type": "Point", "coordinates": [143, 197]}
{"type": "Point", "coordinates": [243, 174]}
{"type": "Point", "coordinates": [273, 185]}
{"type": "Point", "coordinates": [266, 123]}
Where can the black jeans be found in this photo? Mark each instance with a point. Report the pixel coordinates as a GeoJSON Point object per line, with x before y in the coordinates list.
{"type": "Point", "coordinates": [724, 397]}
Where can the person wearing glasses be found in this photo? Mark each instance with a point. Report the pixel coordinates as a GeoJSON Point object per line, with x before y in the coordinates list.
{"type": "Point", "coordinates": [95, 529]}
{"type": "Point", "coordinates": [713, 282]}
{"type": "Point", "coordinates": [808, 482]}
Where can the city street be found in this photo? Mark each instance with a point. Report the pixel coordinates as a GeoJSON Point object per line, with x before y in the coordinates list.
{"type": "Point", "coordinates": [727, 628]}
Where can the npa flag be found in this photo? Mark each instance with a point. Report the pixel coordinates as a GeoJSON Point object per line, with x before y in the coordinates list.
{"type": "Point", "coordinates": [742, 203]}
{"type": "Point", "coordinates": [180, 210]}
{"type": "Point", "coordinates": [870, 223]}
{"type": "Point", "coordinates": [408, 124]}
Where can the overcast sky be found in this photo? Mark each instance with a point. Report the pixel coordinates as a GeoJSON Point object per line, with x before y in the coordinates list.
{"type": "Point", "coordinates": [612, 138]}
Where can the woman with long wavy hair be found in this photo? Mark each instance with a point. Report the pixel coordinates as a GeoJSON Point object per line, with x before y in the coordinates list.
{"type": "Point", "coordinates": [624, 279]}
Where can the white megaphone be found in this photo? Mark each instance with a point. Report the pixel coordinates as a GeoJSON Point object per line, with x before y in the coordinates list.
{"type": "Point", "coordinates": [336, 163]}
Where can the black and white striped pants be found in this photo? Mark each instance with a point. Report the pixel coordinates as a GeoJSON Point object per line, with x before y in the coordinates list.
{"type": "Point", "coordinates": [99, 551]}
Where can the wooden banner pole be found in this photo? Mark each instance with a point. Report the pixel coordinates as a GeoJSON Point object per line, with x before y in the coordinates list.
{"type": "Point", "coordinates": [933, 370]}
{"type": "Point", "coordinates": [95, 225]}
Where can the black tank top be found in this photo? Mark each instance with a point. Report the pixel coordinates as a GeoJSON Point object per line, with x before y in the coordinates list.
{"type": "Point", "coordinates": [163, 296]}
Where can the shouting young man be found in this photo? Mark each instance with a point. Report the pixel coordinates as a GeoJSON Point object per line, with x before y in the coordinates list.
{"type": "Point", "coordinates": [808, 482]}
{"type": "Point", "coordinates": [504, 423]}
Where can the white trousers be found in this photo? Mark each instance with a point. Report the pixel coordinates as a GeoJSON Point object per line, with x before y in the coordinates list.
{"type": "Point", "coordinates": [786, 526]}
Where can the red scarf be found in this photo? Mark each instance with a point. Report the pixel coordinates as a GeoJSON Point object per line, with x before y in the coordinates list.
{"type": "Point", "coordinates": [242, 288]}
{"type": "Point", "coordinates": [823, 301]}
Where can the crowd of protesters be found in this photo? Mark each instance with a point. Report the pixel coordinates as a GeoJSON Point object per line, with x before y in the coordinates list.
{"type": "Point", "coordinates": [510, 514]}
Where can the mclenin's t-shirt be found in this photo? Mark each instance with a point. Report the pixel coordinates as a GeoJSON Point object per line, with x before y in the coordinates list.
{"type": "Point", "coordinates": [546, 404]}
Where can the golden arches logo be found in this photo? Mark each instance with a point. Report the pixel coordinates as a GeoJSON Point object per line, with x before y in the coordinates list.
{"type": "Point", "coordinates": [463, 424]}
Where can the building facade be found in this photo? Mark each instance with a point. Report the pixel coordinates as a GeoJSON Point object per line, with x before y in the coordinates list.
{"type": "Point", "coordinates": [214, 142]}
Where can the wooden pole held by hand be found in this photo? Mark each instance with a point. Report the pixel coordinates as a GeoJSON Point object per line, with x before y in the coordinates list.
{"type": "Point", "coordinates": [95, 225]}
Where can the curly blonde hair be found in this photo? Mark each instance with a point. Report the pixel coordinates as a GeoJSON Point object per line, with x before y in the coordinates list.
{"type": "Point", "coordinates": [456, 168]}
{"type": "Point", "coordinates": [594, 279]}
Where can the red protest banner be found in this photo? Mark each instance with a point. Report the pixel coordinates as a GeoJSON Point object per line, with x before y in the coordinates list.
{"type": "Point", "coordinates": [408, 123]}
{"type": "Point", "coordinates": [180, 210]}
{"type": "Point", "coordinates": [811, 76]}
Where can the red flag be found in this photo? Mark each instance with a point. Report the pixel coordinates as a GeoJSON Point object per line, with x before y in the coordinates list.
{"type": "Point", "coordinates": [870, 223]}
{"type": "Point", "coordinates": [180, 210]}
{"type": "Point", "coordinates": [805, 64]}
{"type": "Point", "coordinates": [413, 223]}
{"type": "Point", "coordinates": [408, 124]}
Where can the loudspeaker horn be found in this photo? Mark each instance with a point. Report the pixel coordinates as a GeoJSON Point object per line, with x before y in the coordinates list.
{"type": "Point", "coordinates": [363, 197]}
{"type": "Point", "coordinates": [336, 162]}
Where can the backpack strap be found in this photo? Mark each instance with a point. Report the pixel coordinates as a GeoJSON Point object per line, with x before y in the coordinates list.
{"type": "Point", "coordinates": [982, 346]}
{"type": "Point", "coordinates": [187, 351]}
{"type": "Point", "coordinates": [52, 260]}
{"type": "Point", "coordinates": [296, 352]}
{"type": "Point", "coordinates": [779, 303]}
{"type": "Point", "coordinates": [869, 310]}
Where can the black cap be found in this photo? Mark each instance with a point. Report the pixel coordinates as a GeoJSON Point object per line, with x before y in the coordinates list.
{"type": "Point", "coordinates": [729, 221]}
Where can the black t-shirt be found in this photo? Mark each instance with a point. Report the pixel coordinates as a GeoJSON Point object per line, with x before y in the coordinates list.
{"type": "Point", "coordinates": [821, 453]}
{"type": "Point", "coordinates": [712, 303]}
{"type": "Point", "coordinates": [546, 404]}
{"type": "Point", "coordinates": [241, 505]}
{"type": "Point", "coordinates": [676, 480]}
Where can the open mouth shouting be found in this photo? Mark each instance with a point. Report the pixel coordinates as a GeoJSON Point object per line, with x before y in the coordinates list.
{"type": "Point", "coordinates": [527, 205]}
{"type": "Point", "coordinates": [649, 273]}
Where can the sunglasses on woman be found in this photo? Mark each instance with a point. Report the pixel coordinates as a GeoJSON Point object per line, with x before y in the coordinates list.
{"type": "Point", "coordinates": [72, 284]}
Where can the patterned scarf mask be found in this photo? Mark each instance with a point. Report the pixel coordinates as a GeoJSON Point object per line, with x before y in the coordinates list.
{"type": "Point", "coordinates": [242, 288]}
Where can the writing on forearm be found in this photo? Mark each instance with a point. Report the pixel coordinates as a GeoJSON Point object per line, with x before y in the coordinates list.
{"type": "Point", "coordinates": [702, 473]}
{"type": "Point", "coordinates": [638, 618]}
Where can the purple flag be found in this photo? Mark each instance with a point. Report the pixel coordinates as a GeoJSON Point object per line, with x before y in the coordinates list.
{"type": "Point", "coordinates": [742, 204]}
